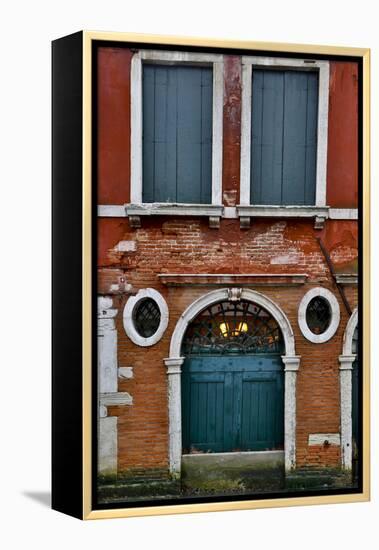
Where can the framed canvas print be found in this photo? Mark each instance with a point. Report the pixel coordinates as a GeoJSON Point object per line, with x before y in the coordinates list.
{"type": "Point", "coordinates": [210, 275]}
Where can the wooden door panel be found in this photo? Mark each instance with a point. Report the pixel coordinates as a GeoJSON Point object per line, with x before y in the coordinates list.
{"type": "Point", "coordinates": [232, 403]}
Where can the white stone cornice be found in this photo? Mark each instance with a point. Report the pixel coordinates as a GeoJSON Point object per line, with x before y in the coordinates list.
{"type": "Point", "coordinates": [346, 279]}
{"type": "Point", "coordinates": [120, 210]}
{"type": "Point", "coordinates": [168, 209]}
{"type": "Point", "coordinates": [343, 213]}
{"type": "Point", "coordinates": [115, 398]}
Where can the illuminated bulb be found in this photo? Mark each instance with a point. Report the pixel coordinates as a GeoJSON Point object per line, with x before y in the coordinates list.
{"type": "Point", "coordinates": [224, 329]}
{"type": "Point", "coordinates": [242, 327]}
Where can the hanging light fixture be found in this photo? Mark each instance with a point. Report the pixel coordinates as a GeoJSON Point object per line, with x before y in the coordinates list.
{"type": "Point", "coordinates": [241, 327]}
{"type": "Point", "coordinates": [224, 328]}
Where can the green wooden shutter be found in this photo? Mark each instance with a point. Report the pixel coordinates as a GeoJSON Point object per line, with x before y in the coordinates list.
{"type": "Point", "coordinates": [284, 137]}
{"type": "Point", "coordinates": [177, 134]}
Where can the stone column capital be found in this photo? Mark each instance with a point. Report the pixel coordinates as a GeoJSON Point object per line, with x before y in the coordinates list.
{"type": "Point", "coordinates": [291, 362]}
{"type": "Point", "coordinates": [346, 362]}
{"type": "Point", "coordinates": [174, 364]}
{"type": "Point", "coordinates": [104, 308]}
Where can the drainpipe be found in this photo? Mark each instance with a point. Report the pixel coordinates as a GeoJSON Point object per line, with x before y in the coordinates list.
{"type": "Point", "coordinates": [331, 269]}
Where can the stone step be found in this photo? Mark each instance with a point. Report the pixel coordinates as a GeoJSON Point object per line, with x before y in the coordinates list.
{"type": "Point", "coordinates": [133, 489]}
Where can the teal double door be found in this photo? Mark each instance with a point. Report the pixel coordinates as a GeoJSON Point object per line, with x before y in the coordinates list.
{"type": "Point", "coordinates": [232, 403]}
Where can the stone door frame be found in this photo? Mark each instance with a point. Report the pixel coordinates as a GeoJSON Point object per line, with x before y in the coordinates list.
{"type": "Point", "coordinates": [175, 360]}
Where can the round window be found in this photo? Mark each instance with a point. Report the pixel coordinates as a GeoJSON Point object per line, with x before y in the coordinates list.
{"type": "Point", "coordinates": [146, 317]}
{"type": "Point", "coordinates": [318, 315]}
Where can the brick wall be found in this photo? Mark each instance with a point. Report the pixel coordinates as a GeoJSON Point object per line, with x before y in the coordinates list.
{"type": "Point", "coordinates": [189, 246]}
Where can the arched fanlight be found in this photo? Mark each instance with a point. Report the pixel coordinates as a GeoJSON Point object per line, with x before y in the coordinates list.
{"type": "Point", "coordinates": [233, 327]}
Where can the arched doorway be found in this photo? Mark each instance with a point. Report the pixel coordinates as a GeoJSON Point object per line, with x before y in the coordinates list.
{"type": "Point", "coordinates": [232, 383]}
{"type": "Point", "coordinates": [175, 361]}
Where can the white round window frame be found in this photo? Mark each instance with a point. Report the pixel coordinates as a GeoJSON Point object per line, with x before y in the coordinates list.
{"type": "Point", "coordinates": [128, 321]}
{"type": "Point", "coordinates": [335, 312]}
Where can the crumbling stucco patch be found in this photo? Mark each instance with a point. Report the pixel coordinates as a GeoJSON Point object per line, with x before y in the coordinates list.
{"type": "Point", "coordinates": [125, 246]}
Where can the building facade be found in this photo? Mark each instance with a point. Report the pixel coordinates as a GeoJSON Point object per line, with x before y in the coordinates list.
{"type": "Point", "coordinates": [227, 191]}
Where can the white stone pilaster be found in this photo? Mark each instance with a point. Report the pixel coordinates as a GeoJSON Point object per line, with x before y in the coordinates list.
{"type": "Point", "coordinates": [107, 384]}
{"type": "Point", "coordinates": [346, 367]}
{"type": "Point", "coordinates": [107, 454]}
{"type": "Point", "coordinates": [291, 366]}
{"type": "Point", "coordinates": [173, 365]}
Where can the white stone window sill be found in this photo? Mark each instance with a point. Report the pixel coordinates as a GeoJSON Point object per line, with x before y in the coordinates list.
{"type": "Point", "coordinates": [282, 211]}
{"type": "Point", "coordinates": [217, 211]}
{"type": "Point", "coordinates": [135, 211]}
{"type": "Point", "coordinates": [245, 212]}
{"type": "Point", "coordinates": [177, 209]}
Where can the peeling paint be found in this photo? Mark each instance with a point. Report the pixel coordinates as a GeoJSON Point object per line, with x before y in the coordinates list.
{"type": "Point", "coordinates": [231, 129]}
{"type": "Point", "coordinates": [125, 246]}
{"type": "Point", "coordinates": [291, 258]}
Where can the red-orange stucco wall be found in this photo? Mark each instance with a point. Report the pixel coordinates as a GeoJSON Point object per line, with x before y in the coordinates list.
{"type": "Point", "coordinates": [113, 119]}
{"type": "Point", "coordinates": [231, 130]}
{"type": "Point", "coordinates": [342, 180]}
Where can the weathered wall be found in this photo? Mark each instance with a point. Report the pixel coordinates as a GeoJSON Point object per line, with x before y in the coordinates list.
{"type": "Point", "coordinates": [187, 245]}
{"type": "Point", "coordinates": [182, 246]}
{"type": "Point", "coordinates": [231, 130]}
{"type": "Point", "coordinates": [342, 181]}
{"type": "Point", "coordinates": [113, 118]}
{"type": "Point", "coordinates": [114, 130]}
{"type": "Point", "coordinates": [143, 427]}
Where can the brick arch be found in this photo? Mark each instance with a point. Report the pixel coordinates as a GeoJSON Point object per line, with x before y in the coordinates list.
{"type": "Point", "coordinates": [175, 360]}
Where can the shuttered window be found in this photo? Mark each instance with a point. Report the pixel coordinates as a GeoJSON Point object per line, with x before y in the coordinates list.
{"type": "Point", "coordinates": [283, 137]}
{"type": "Point", "coordinates": [177, 134]}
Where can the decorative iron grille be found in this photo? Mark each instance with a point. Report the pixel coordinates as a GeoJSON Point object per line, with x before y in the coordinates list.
{"type": "Point", "coordinates": [146, 317]}
{"type": "Point", "coordinates": [318, 315]}
{"type": "Point", "coordinates": [233, 327]}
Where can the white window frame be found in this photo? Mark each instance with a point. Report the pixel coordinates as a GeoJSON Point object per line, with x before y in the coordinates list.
{"type": "Point", "coordinates": [334, 310]}
{"type": "Point", "coordinates": [137, 207]}
{"type": "Point", "coordinates": [128, 320]}
{"type": "Point", "coordinates": [319, 209]}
